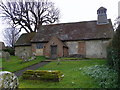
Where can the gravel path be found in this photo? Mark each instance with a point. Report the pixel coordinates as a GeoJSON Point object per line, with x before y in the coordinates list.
{"type": "Point", "coordinates": [33, 67]}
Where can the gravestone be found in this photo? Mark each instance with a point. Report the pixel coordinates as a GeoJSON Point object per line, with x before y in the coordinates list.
{"type": "Point", "coordinates": [0, 54]}
{"type": "Point", "coordinates": [33, 57]}
{"type": "Point", "coordinates": [4, 55]}
{"type": "Point", "coordinates": [8, 80]}
{"type": "Point", "coordinates": [24, 56]}
{"type": "Point", "coordinates": [58, 61]}
{"type": "Point", "coordinates": [7, 56]}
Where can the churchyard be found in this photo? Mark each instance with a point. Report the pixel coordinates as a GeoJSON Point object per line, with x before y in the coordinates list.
{"type": "Point", "coordinates": [76, 73]}
{"type": "Point", "coordinates": [15, 63]}
{"type": "Point", "coordinates": [47, 37]}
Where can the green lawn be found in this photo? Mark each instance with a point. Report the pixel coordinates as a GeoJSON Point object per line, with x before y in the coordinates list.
{"type": "Point", "coordinates": [15, 64]}
{"type": "Point", "coordinates": [73, 77]}
{"type": "Point", "coordinates": [70, 58]}
{"type": "Point", "coordinates": [0, 63]}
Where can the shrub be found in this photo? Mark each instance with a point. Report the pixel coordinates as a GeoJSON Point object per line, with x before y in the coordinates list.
{"type": "Point", "coordinates": [10, 50]}
{"type": "Point", "coordinates": [104, 76]}
{"type": "Point", "coordinates": [113, 58]}
{"type": "Point", "coordinates": [113, 52]}
{"type": "Point", "coordinates": [45, 75]}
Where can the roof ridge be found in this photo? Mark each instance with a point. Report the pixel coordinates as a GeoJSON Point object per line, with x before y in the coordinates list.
{"type": "Point", "coordinates": [72, 22]}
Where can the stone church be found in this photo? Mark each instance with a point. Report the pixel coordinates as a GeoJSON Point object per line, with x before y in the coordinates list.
{"type": "Point", "coordinates": [87, 38]}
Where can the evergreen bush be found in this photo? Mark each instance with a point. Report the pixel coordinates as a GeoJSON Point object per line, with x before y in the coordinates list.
{"type": "Point", "coordinates": [10, 50]}
{"type": "Point", "coordinates": [113, 52]}
{"type": "Point", "coordinates": [113, 58]}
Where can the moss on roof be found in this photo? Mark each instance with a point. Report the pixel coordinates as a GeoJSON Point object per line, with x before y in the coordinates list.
{"type": "Point", "coordinates": [25, 39]}
{"type": "Point", "coordinates": [87, 30]}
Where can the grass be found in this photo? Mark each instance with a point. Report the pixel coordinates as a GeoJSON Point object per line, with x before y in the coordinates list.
{"type": "Point", "coordinates": [73, 77]}
{"type": "Point", "coordinates": [70, 58]}
{"type": "Point", "coordinates": [105, 76]}
{"type": "Point", "coordinates": [0, 64]}
{"type": "Point", "coordinates": [64, 58]}
{"type": "Point", "coordinates": [15, 64]}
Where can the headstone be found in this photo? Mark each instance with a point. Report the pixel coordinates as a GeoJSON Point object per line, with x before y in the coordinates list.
{"type": "Point", "coordinates": [7, 56]}
{"type": "Point", "coordinates": [4, 55]}
{"type": "Point", "coordinates": [33, 57]}
{"type": "Point", "coordinates": [0, 54]}
{"type": "Point", "coordinates": [24, 57]}
{"type": "Point", "coordinates": [58, 61]}
{"type": "Point", "coordinates": [8, 80]}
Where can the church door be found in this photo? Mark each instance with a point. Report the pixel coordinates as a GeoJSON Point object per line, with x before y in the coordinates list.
{"type": "Point", "coordinates": [54, 52]}
{"type": "Point", "coordinates": [82, 48]}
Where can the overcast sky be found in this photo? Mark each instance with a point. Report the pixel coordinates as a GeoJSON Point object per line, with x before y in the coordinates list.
{"type": "Point", "coordinates": [85, 10]}
{"type": "Point", "coordinates": [81, 10]}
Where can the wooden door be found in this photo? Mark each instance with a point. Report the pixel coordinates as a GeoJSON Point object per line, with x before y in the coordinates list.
{"type": "Point", "coordinates": [54, 52]}
{"type": "Point", "coordinates": [82, 48]}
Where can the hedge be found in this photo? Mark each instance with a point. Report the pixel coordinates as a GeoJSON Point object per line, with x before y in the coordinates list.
{"type": "Point", "coordinates": [45, 75]}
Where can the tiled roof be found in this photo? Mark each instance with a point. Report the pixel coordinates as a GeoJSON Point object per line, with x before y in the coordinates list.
{"type": "Point", "coordinates": [75, 31]}
{"type": "Point", "coordinates": [25, 39]}
{"type": "Point", "coordinates": [86, 30]}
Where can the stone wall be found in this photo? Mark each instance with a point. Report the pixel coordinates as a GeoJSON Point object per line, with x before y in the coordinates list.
{"type": "Point", "coordinates": [23, 49]}
{"type": "Point", "coordinates": [96, 48]}
{"type": "Point", "coordinates": [92, 48]}
{"type": "Point", "coordinates": [73, 47]}
{"type": "Point", "coordinates": [38, 52]}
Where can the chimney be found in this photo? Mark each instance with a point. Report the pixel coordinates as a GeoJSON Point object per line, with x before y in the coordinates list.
{"type": "Point", "coordinates": [102, 16]}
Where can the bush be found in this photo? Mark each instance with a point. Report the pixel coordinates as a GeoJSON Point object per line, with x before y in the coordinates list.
{"type": "Point", "coordinates": [45, 75]}
{"type": "Point", "coordinates": [104, 76]}
{"type": "Point", "coordinates": [113, 58]}
{"type": "Point", "coordinates": [10, 50]}
{"type": "Point", "coordinates": [113, 50]}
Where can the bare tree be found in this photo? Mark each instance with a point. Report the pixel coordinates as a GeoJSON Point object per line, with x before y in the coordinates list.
{"type": "Point", "coordinates": [29, 15]}
{"type": "Point", "coordinates": [11, 35]}
{"type": "Point", "coordinates": [116, 23]}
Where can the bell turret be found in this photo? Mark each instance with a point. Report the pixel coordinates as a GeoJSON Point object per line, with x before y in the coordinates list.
{"type": "Point", "coordinates": [102, 16]}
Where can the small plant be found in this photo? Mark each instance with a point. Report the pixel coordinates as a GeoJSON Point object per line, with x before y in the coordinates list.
{"type": "Point", "coordinates": [104, 76]}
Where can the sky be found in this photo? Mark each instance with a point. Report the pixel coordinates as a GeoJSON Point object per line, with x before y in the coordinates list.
{"type": "Point", "coordinates": [80, 10]}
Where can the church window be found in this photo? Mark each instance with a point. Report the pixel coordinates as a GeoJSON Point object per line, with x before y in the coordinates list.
{"type": "Point", "coordinates": [39, 45]}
